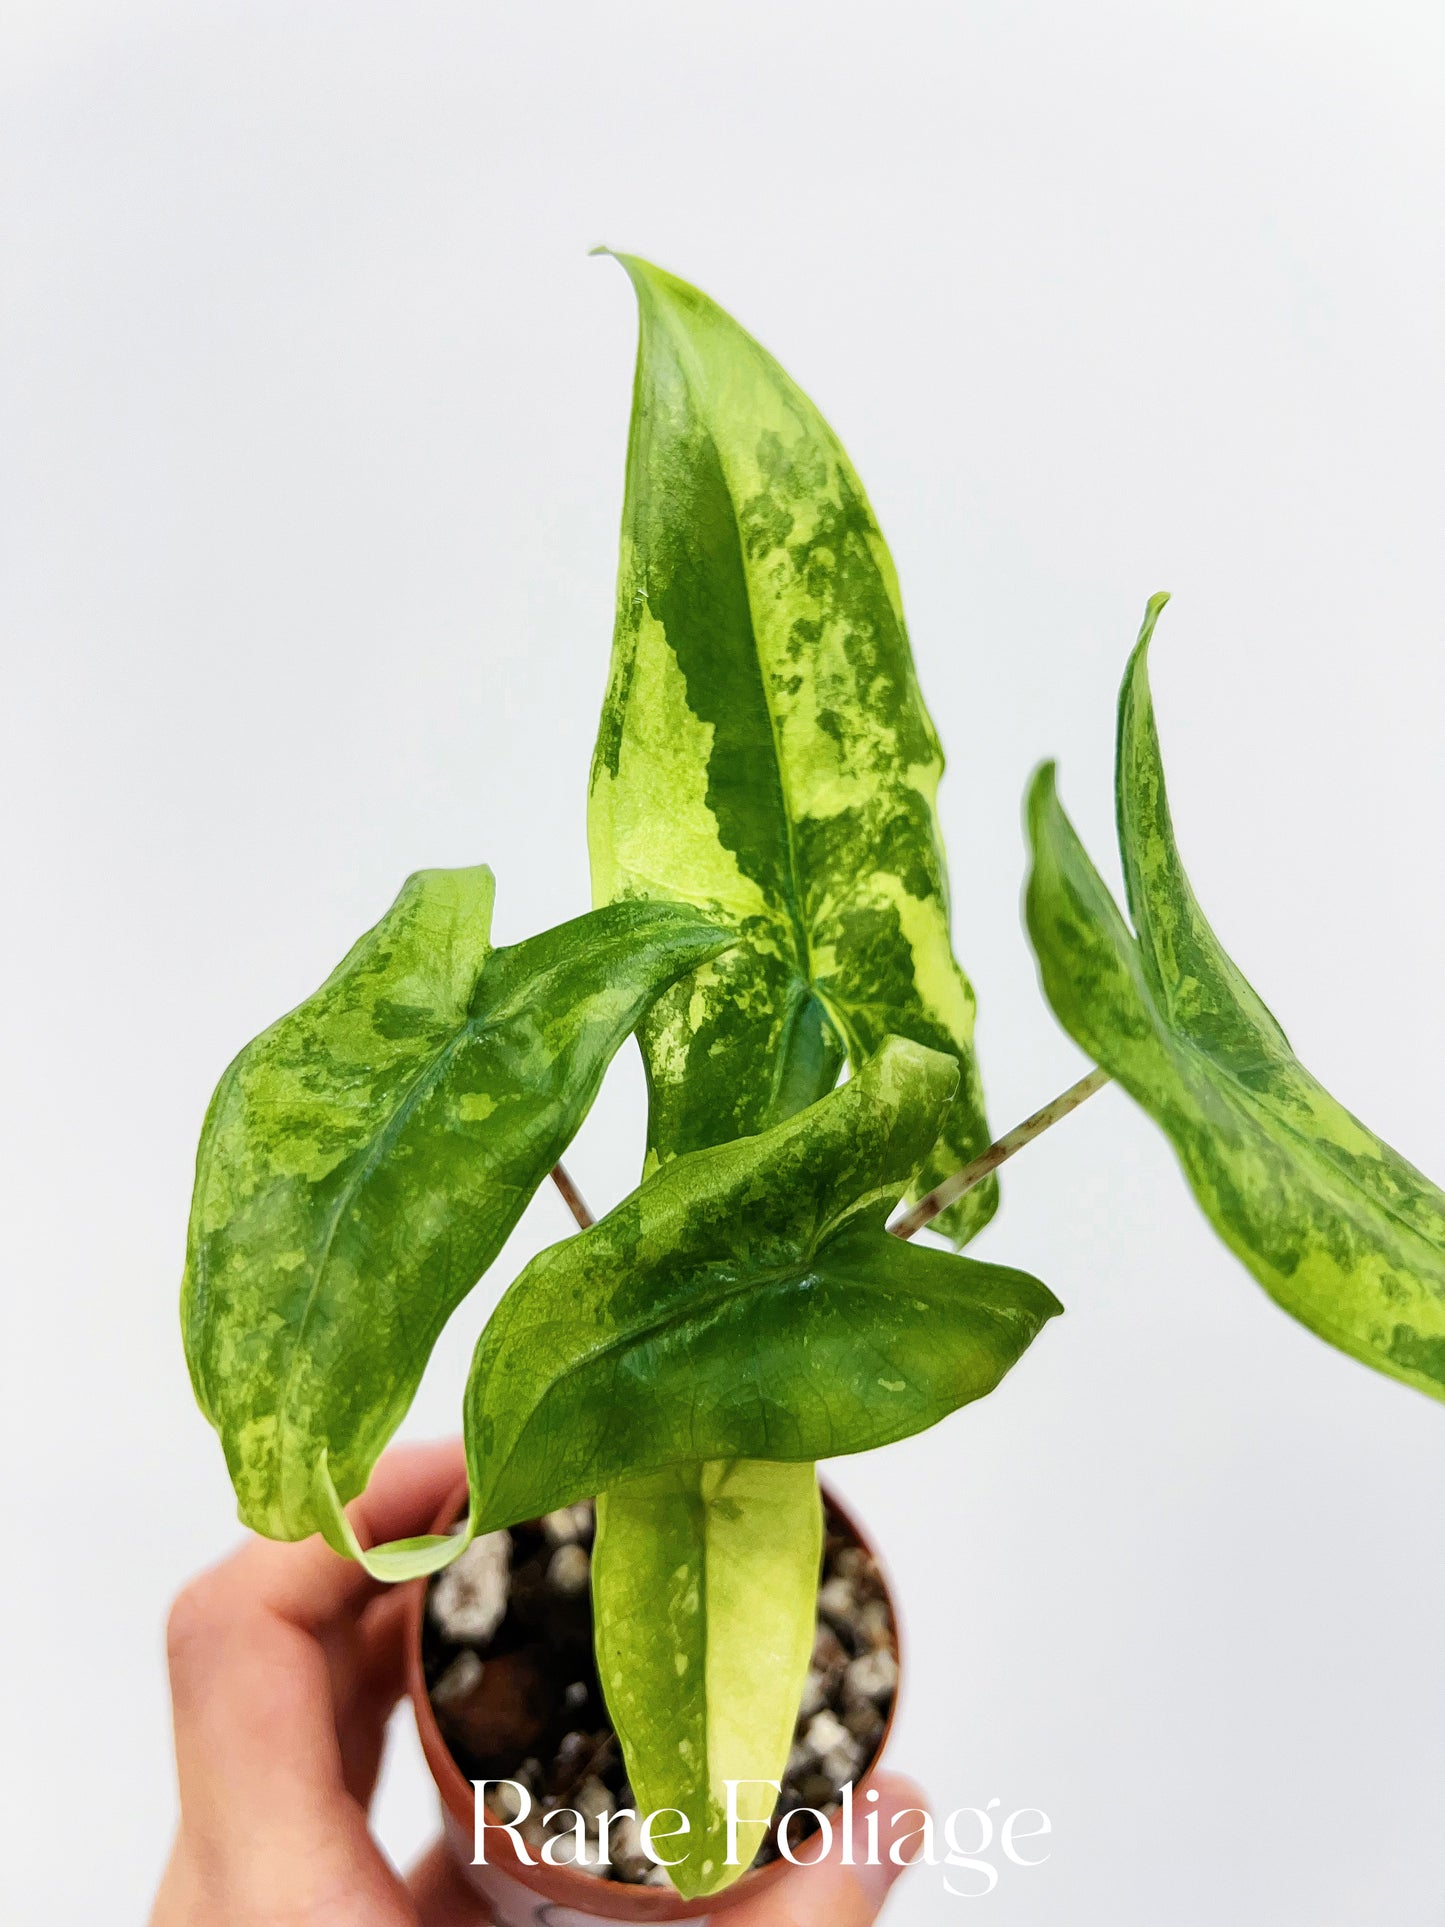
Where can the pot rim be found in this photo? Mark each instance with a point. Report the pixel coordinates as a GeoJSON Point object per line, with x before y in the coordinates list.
{"type": "Point", "coordinates": [565, 1885]}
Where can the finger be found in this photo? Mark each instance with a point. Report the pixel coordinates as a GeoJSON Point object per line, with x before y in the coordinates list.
{"type": "Point", "coordinates": [368, 1652]}
{"type": "Point", "coordinates": [367, 1680]}
{"type": "Point", "coordinates": [255, 1646]}
{"type": "Point", "coordinates": [264, 1802]}
{"type": "Point", "coordinates": [440, 1892]}
{"type": "Point", "coordinates": [828, 1894]}
{"type": "Point", "coordinates": [253, 1649]}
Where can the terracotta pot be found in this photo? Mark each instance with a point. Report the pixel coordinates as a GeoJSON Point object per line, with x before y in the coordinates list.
{"type": "Point", "coordinates": [542, 1896]}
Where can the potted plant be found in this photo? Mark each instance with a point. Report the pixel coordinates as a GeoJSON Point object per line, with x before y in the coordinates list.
{"type": "Point", "coordinates": [648, 1400]}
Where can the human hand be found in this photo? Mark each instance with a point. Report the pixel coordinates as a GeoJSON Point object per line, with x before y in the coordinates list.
{"type": "Point", "coordinates": [286, 1662]}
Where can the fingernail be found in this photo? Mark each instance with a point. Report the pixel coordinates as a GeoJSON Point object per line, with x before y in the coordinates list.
{"type": "Point", "coordinates": [875, 1880]}
{"type": "Point", "coordinates": [899, 1798]}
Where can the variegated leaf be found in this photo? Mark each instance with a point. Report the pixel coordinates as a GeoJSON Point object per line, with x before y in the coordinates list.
{"type": "Point", "coordinates": [745, 1302]}
{"type": "Point", "coordinates": [744, 1313]}
{"type": "Point", "coordinates": [1339, 1229]}
{"type": "Point", "coordinates": [705, 1579]}
{"type": "Point", "coordinates": [764, 751]}
{"type": "Point", "coordinates": [365, 1158]}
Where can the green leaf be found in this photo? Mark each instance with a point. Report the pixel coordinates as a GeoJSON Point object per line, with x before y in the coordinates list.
{"type": "Point", "coordinates": [1337, 1227]}
{"type": "Point", "coordinates": [705, 1583]}
{"type": "Point", "coordinates": [365, 1158]}
{"type": "Point", "coordinates": [764, 752]}
{"type": "Point", "coordinates": [745, 1302]}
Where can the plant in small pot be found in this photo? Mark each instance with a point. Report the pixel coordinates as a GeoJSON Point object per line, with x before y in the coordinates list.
{"type": "Point", "coordinates": [640, 1629]}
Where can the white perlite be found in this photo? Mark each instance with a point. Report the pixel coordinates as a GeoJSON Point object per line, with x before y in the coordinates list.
{"type": "Point", "coordinates": [562, 1845]}
{"type": "Point", "coordinates": [624, 1848]}
{"type": "Point", "coordinates": [815, 1694]}
{"type": "Point", "coordinates": [592, 1800]}
{"type": "Point", "coordinates": [828, 1742]}
{"type": "Point", "coordinates": [873, 1676]}
{"type": "Point", "coordinates": [459, 1681]}
{"type": "Point", "coordinates": [824, 1733]}
{"type": "Point", "coordinates": [569, 1570]}
{"type": "Point", "coordinates": [505, 1800]}
{"type": "Point", "coordinates": [567, 1525]}
{"type": "Point", "coordinates": [837, 1601]}
{"type": "Point", "coordinates": [874, 1623]}
{"type": "Point", "coordinates": [469, 1600]}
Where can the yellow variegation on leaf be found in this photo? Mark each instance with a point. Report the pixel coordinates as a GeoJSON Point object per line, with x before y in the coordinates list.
{"type": "Point", "coordinates": [364, 1160]}
{"type": "Point", "coordinates": [1339, 1229]}
{"type": "Point", "coordinates": [706, 1581]}
{"type": "Point", "coordinates": [764, 752]}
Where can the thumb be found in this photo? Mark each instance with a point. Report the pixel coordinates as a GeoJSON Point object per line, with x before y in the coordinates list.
{"type": "Point", "coordinates": [826, 1893]}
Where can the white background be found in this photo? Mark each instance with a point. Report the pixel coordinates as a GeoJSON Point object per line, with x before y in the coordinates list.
{"type": "Point", "coordinates": [313, 434]}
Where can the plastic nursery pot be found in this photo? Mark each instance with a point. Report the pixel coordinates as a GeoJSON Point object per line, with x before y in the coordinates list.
{"type": "Point", "coordinates": [542, 1896]}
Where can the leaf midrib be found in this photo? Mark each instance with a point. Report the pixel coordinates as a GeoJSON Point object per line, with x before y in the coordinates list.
{"type": "Point", "coordinates": [473, 1027]}
{"type": "Point", "coordinates": [692, 1308]}
{"type": "Point", "coordinates": [411, 1096]}
{"type": "Point", "coordinates": [1143, 770]}
{"type": "Point", "coordinates": [1346, 1186]}
{"type": "Point", "coordinates": [802, 936]}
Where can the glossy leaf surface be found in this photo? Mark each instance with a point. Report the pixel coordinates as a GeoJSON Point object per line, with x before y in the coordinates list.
{"type": "Point", "coordinates": [705, 1587]}
{"type": "Point", "coordinates": [745, 1302]}
{"type": "Point", "coordinates": [1338, 1228]}
{"type": "Point", "coordinates": [764, 751]}
{"type": "Point", "coordinates": [365, 1158]}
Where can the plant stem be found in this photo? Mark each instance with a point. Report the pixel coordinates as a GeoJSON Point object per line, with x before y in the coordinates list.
{"type": "Point", "coordinates": [576, 1203]}
{"type": "Point", "coordinates": [942, 1195]}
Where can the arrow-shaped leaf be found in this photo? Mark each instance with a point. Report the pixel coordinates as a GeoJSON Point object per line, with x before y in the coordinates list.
{"type": "Point", "coordinates": [764, 751]}
{"type": "Point", "coordinates": [1338, 1228]}
{"type": "Point", "coordinates": [745, 1302]}
{"type": "Point", "coordinates": [365, 1158]}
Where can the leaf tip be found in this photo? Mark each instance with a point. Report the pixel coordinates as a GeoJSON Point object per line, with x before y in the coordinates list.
{"type": "Point", "coordinates": [401, 1559]}
{"type": "Point", "coordinates": [1153, 608]}
{"type": "Point", "coordinates": [1134, 693]}
{"type": "Point", "coordinates": [1042, 793]}
{"type": "Point", "coordinates": [632, 265]}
